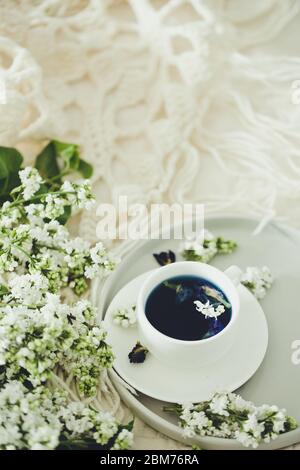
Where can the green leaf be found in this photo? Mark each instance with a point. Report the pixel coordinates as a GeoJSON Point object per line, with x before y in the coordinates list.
{"type": "Point", "coordinates": [85, 169]}
{"type": "Point", "coordinates": [128, 426]}
{"type": "Point", "coordinates": [3, 170]}
{"type": "Point", "coordinates": [68, 153]}
{"type": "Point", "coordinates": [3, 290]}
{"type": "Point", "coordinates": [10, 164]}
{"type": "Point", "coordinates": [65, 216]}
{"type": "Point", "coordinates": [8, 184]}
{"type": "Point", "coordinates": [70, 156]}
{"type": "Point", "coordinates": [60, 157]}
{"type": "Point", "coordinates": [44, 189]}
{"type": "Point", "coordinates": [11, 159]}
{"type": "Point", "coordinates": [46, 162]}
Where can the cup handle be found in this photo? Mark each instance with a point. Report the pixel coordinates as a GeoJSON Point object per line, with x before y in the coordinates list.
{"type": "Point", "coordinates": [234, 273]}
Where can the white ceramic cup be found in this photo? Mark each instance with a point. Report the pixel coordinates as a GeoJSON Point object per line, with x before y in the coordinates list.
{"type": "Point", "coordinates": [180, 353]}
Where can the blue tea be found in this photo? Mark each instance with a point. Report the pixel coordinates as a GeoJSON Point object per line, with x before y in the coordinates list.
{"type": "Point", "coordinates": [188, 308]}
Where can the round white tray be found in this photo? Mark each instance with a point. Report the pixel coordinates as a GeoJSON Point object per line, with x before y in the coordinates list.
{"type": "Point", "coordinates": [277, 381]}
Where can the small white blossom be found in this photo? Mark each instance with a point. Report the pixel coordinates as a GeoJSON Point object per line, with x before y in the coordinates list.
{"type": "Point", "coordinates": [9, 215]}
{"type": "Point", "coordinates": [54, 206]}
{"type": "Point", "coordinates": [31, 181]}
{"type": "Point", "coordinates": [279, 421]}
{"type": "Point", "coordinates": [42, 420]}
{"type": "Point", "coordinates": [208, 310]}
{"type": "Point", "coordinates": [124, 440]}
{"type": "Point", "coordinates": [218, 404]}
{"type": "Point", "coordinates": [35, 213]}
{"type": "Point", "coordinates": [205, 248]}
{"type": "Point", "coordinates": [237, 403]}
{"type": "Point", "coordinates": [125, 316]}
{"type": "Point", "coordinates": [40, 245]}
{"type": "Point", "coordinates": [227, 415]}
{"type": "Point", "coordinates": [39, 332]}
{"type": "Point", "coordinates": [246, 439]}
{"type": "Point", "coordinates": [253, 426]}
{"type": "Point", "coordinates": [29, 288]}
{"type": "Point", "coordinates": [78, 194]}
{"type": "Point", "coordinates": [258, 280]}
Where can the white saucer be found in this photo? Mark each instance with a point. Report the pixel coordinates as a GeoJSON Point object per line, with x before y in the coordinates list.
{"type": "Point", "coordinates": [189, 385]}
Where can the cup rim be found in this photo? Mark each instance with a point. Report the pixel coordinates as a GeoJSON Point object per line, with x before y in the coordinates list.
{"type": "Point", "coordinates": [141, 303]}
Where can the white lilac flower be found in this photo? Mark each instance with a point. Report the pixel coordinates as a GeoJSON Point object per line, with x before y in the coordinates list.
{"type": "Point", "coordinates": [97, 253]}
{"type": "Point", "coordinates": [31, 182]}
{"type": "Point", "coordinates": [106, 427]}
{"type": "Point", "coordinates": [227, 415]}
{"type": "Point", "coordinates": [38, 332]}
{"type": "Point", "coordinates": [28, 419]}
{"type": "Point", "coordinates": [58, 233]}
{"type": "Point", "coordinates": [253, 426]}
{"type": "Point", "coordinates": [99, 425]}
{"type": "Point", "coordinates": [89, 354]}
{"type": "Point", "coordinates": [246, 439]}
{"type": "Point", "coordinates": [76, 251]}
{"type": "Point", "coordinates": [32, 342]}
{"type": "Point", "coordinates": [40, 245]}
{"type": "Point", "coordinates": [35, 213]}
{"type": "Point", "coordinates": [237, 403]}
{"type": "Point", "coordinates": [208, 310]}
{"type": "Point", "coordinates": [7, 263]}
{"type": "Point", "coordinates": [15, 245]}
{"type": "Point", "coordinates": [53, 266]}
{"type": "Point", "coordinates": [195, 422]}
{"type": "Point", "coordinates": [29, 288]}
{"type": "Point", "coordinates": [9, 215]}
{"type": "Point", "coordinates": [205, 247]}
{"type": "Point", "coordinates": [279, 421]}
{"type": "Point", "coordinates": [218, 404]}
{"type": "Point", "coordinates": [257, 280]}
{"type": "Point", "coordinates": [125, 317]}
{"type": "Point", "coordinates": [81, 421]}
{"type": "Point", "coordinates": [124, 440]}
{"type": "Point", "coordinates": [99, 261]}
{"type": "Point", "coordinates": [43, 420]}
{"type": "Point", "coordinates": [54, 206]}
{"type": "Point", "coordinates": [201, 249]}
{"type": "Point", "coordinates": [78, 194]}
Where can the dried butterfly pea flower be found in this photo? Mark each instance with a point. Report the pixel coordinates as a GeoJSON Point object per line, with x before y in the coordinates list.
{"type": "Point", "coordinates": [165, 257]}
{"type": "Point", "coordinates": [138, 354]}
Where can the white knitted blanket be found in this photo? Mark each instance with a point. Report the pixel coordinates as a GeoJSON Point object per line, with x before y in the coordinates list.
{"type": "Point", "coordinates": [175, 100]}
